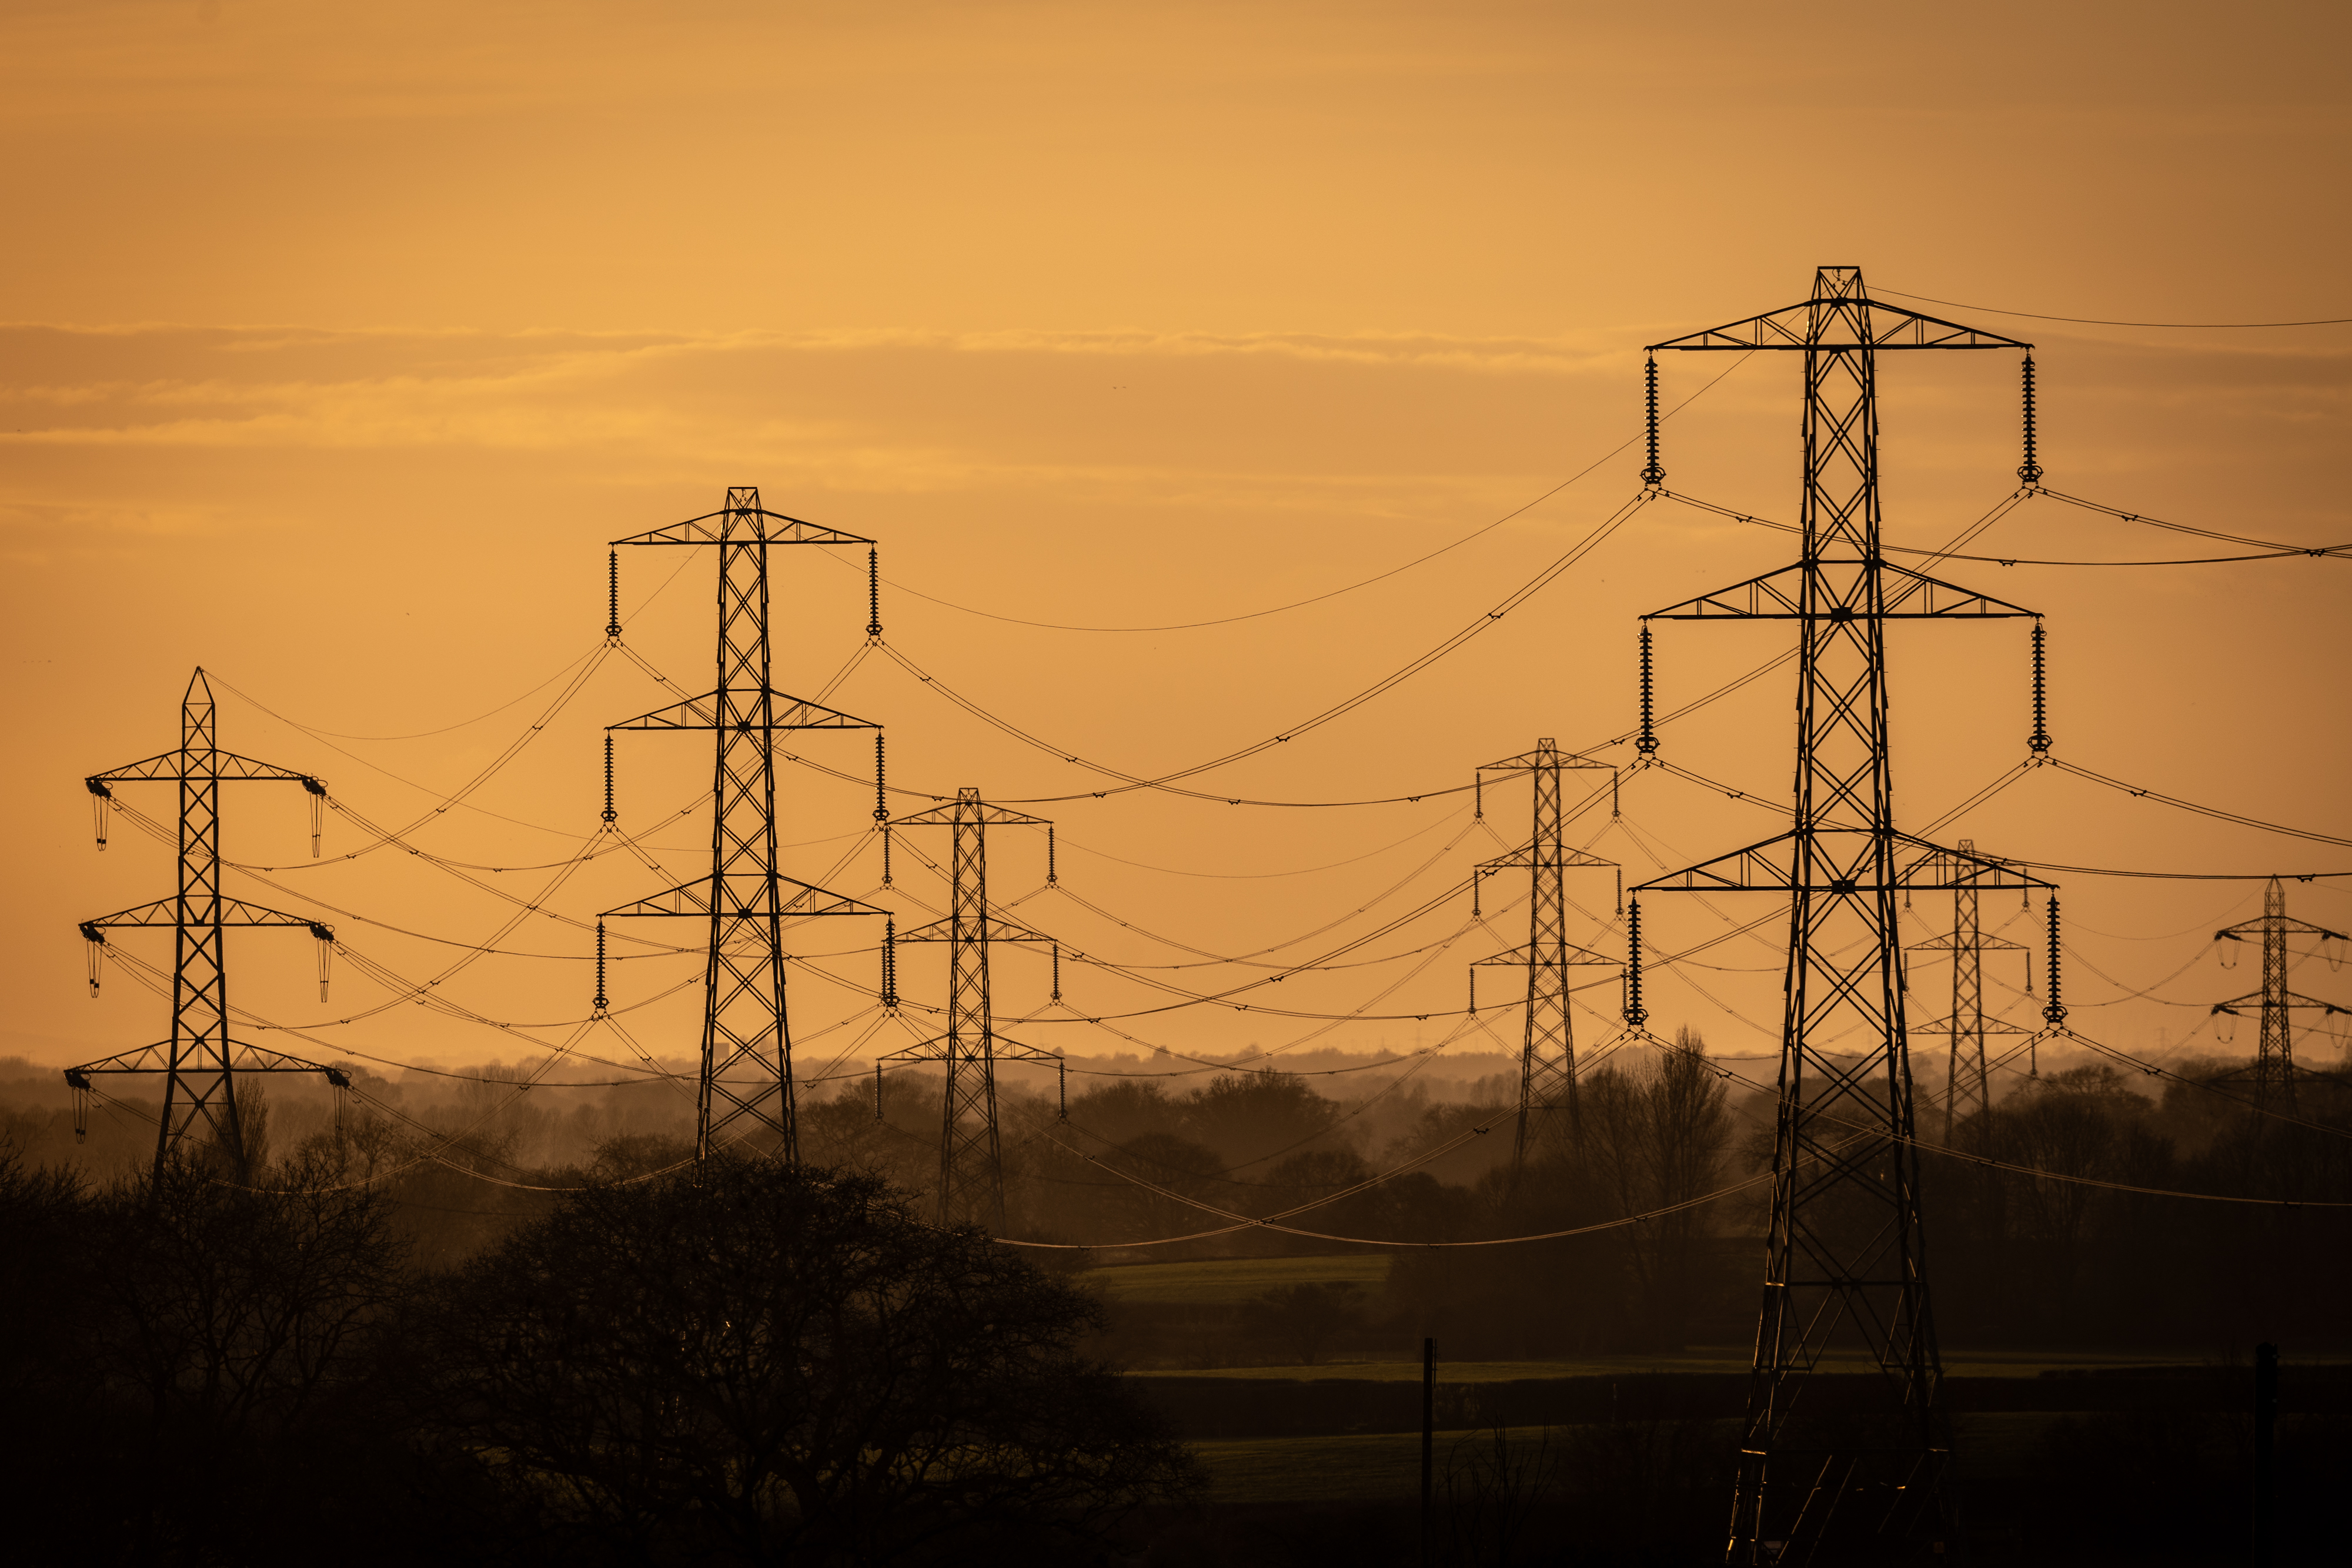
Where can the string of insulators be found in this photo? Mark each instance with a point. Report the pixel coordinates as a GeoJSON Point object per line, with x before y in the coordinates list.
{"type": "Point", "coordinates": [612, 595]}
{"type": "Point", "coordinates": [877, 1090]}
{"type": "Point", "coordinates": [1053, 873]}
{"type": "Point", "coordinates": [2039, 741]}
{"type": "Point", "coordinates": [2053, 1009]}
{"type": "Point", "coordinates": [600, 1003]}
{"type": "Point", "coordinates": [100, 795]}
{"type": "Point", "coordinates": [1477, 891]}
{"type": "Point", "coordinates": [316, 790]}
{"type": "Point", "coordinates": [1636, 1014]}
{"type": "Point", "coordinates": [890, 968]}
{"type": "Point", "coordinates": [1062, 1071]}
{"type": "Point", "coordinates": [1058, 972]}
{"type": "Point", "coordinates": [1474, 990]}
{"type": "Point", "coordinates": [325, 936]}
{"type": "Point", "coordinates": [882, 807]}
{"type": "Point", "coordinates": [873, 593]}
{"type": "Point", "coordinates": [1648, 743]}
{"type": "Point", "coordinates": [96, 941]}
{"type": "Point", "coordinates": [609, 816]}
{"type": "Point", "coordinates": [2030, 471]}
{"type": "Point", "coordinates": [1651, 475]}
{"type": "Point", "coordinates": [1478, 795]}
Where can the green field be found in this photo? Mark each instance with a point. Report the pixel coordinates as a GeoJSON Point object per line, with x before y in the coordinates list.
{"type": "Point", "coordinates": [1229, 1281]}
{"type": "Point", "coordinates": [1387, 1465]}
{"type": "Point", "coordinates": [1701, 1359]}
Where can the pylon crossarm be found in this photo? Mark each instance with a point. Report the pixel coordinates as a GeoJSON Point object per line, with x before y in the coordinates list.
{"type": "Point", "coordinates": [1766, 867]}
{"type": "Point", "coordinates": [751, 894]}
{"type": "Point", "coordinates": [1008, 1049]}
{"type": "Point", "coordinates": [1527, 760]}
{"type": "Point", "coordinates": [1854, 321]}
{"type": "Point", "coordinates": [2286, 1000]}
{"type": "Point", "coordinates": [165, 912]}
{"type": "Point", "coordinates": [1519, 958]}
{"type": "Point", "coordinates": [1524, 858]}
{"type": "Point", "coordinates": [227, 767]}
{"type": "Point", "coordinates": [702, 713]}
{"type": "Point", "coordinates": [945, 816]}
{"type": "Point", "coordinates": [243, 1057]}
{"type": "Point", "coordinates": [994, 929]}
{"type": "Point", "coordinates": [766, 528]}
{"type": "Point", "coordinates": [1779, 595]}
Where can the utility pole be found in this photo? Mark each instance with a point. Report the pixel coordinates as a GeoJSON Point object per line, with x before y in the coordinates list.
{"type": "Point", "coordinates": [1548, 1049]}
{"type": "Point", "coordinates": [1966, 1090]}
{"type": "Point", "coordinates": [971, 1167]}
{"type": "Point", "coordinates": [1842, 1480]}
{"type": "Point", "coordinates": [744, 900]}
{"type": "Point", "coordinates": [2274, 1070]}
{"type": "Point", "coordinates": [200, 1062]}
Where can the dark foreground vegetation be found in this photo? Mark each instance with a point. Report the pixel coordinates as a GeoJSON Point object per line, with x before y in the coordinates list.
{"type": "Point", "coordinates": [768, 1366]}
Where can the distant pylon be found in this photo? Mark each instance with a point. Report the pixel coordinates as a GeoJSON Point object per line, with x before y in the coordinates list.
{"type": "Point", "coordinates": [971, 1156]}
{"type": "Point", "coordinates": [2274, 1070]}
{"type": "Point", "coordinates": [744, 900]}
{"type": "Point", "coordinates": [1548, 1047]}
{"type": "Point", "coordinates": [1844, 1261]}
{"type": "Point", "coordinates": [200, 1062]}
{"type": "Point", "coordinates": [1967, 1092]}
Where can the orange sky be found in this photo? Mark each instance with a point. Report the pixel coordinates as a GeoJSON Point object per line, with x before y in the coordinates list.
{"type": "Point", "coordinates": [343, 339]}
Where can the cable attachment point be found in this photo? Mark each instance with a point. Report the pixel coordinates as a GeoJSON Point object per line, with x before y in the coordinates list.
{"type": "Point", "coordinates": [600, 1002]}
{"type": "Point", "coordinates": [1647, 745]}
{"type": "Point", "coordinates": [2030, 471]}
{"type": "Point", "coordinates": [873, 593]}
{"type": "Point", "coordinates": [2053, 1010]}
{"type": "Point", "coordinates": [612, 596]}
{"type": "Point", "coordinates": [2039, 741]}
{"type": "Point", "coordinates": [316, 790]}
{"type": "Point", "coordinates": [99, 797]}
{"type": "Point", "coordinates": [1636, 1015]}
{"type": "Point", "coordinates": [1651, 475]}
{"type": "Point", "coordinates": [609, 815]}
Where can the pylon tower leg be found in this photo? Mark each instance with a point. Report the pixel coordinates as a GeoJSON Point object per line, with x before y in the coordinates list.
{"type": "Point", "coordinates": [747, 1051]}
{"type": "Point", "coordinates": [1547, 1050]}
{"type": "Point", "coordinates": [971, 1171]}
{"type": "Point", "coordinates": [1845, 1255]}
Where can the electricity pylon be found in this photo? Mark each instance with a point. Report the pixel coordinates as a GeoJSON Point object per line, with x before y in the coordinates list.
{"type": "Point", "coordinates": [200, 1062]}
{"type": "Point", "coordinates": [972, 1167]}
{"type": "Point", "coordinates": [1548, 1048]}
{"type": "Point", "coordinates": [1843, 1266]}
{"type": "Point", "coordinates": [1966, 1090]}
{"type": "Point", "coordinates": [2274, 1070]}
{"type": "Point", "coordinates": [744, 899]}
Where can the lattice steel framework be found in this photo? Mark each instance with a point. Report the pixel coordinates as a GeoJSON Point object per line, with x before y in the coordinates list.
{"type": "Point", "coordinates": [2273, 1074]}
{"type": "Point", "coordinates": [1829, 1479]}
{"type": "Point", "coordinates": [971, 1156]}
{"type": "Point", "coordinates": [1967, 1092]}
{"type": "Point", "coordinates": [1548, 1048]}
{"type": "Point", "coordinates": [200, 1062]}
{"type": "Point", "coordinates": [745, 901]}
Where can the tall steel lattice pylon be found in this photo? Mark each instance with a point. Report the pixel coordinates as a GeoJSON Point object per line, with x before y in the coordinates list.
{"type": "Point", "coordinates": [971, 1156]}
{"type": "Point", "coordinates": [2272, 1074]}
{"type": "Point", "coordinates": [747, 1044]}
{"type": "Point", "coordinates": [1548, 1049]}
{"type": "Point", "coordinates": [1823, 1478]}
{"type": "Point", "coordinates": [200, 1062]}
{"type": "Point", "coordinates": [1967, 1091]}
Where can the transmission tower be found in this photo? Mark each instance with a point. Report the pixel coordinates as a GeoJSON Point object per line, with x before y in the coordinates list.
{"type": "Point", "coordinates": [971, 1168]}
{"type": "Point", "coordinates": [1832, 1482]}
{"type": "Point", "coordinates": [200, 1062]}
{"type": "Point", "coordinates": [1966, 1090]}
{"type": "Point", "coordinates": [2274, 1070]}
{"type": "Point", "coordinates": [744, 899]}
{"type": "Point", "coordinates": [1547, 1050]}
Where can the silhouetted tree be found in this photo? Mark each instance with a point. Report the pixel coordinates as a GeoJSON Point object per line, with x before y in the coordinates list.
{"type": "Point", "coordinates": [771, 1362]}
